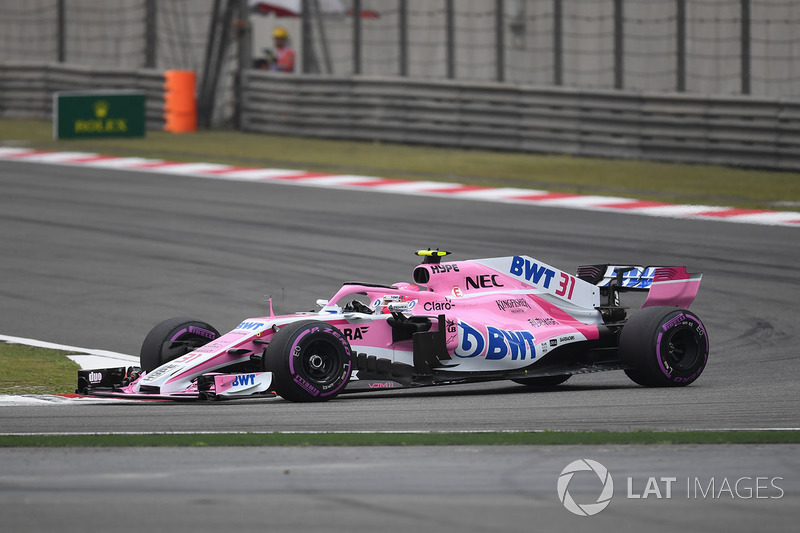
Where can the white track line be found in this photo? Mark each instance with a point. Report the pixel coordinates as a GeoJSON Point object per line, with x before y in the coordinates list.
{"type": "Point", "coordinates": [368, 432]}
{"type": "Point", "coordinates": [417, 188]}
{"type": "Point", "coordinates": [85, 357]}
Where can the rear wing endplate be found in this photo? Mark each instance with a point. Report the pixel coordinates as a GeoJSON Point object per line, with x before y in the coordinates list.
{"type": "Point", "coordinates": [666, 286]}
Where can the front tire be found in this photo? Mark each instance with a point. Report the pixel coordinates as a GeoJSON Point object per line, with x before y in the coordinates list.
{"type": "Point", "coordinates": [310, 361]}
{"type": "Point", "coordinates": [664, 346]}
{"type": "Point", "coordinates": [173, 338]}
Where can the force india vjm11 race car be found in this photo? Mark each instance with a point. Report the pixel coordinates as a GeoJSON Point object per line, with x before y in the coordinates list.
{"type": "Point", "coordinates": [506, 318]}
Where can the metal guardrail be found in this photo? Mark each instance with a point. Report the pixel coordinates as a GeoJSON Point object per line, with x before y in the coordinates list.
{"type": "Point", "coordinates": [26, 89]}
{"type": "Point", "coordinates": [731, 130]}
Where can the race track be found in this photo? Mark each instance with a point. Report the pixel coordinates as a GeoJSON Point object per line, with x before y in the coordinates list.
{"type": "Point", "coordinates": [95, 258]}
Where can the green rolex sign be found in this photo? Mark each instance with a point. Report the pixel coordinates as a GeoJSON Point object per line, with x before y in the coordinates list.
{"type": "Point", "coordinates": [98, 114]}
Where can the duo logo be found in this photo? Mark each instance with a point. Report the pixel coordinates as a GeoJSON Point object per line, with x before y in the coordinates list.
{"type": "Point", "coordinates": [243, 380]}
{"type": "Point", "coordinates": [495, 344]}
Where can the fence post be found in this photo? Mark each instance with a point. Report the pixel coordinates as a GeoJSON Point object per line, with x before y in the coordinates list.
{"type": "Point", "coordinates": [680, 67]}
{"type": "Point", "coordinates": [150, 34]}
{"type": "Point", "coordinates": [61, 30]}
{"type": "Point", "coordinates": [403, 9]}
{"type": "Point", "coordinates": [451, 41]}
{"type": "Point", "coordinates": [500, 38]}
{"type": "Point", "coordinates": [558, 43]}
{"type": "Point", "coordinates": [619, 43]}
{"type": "Point", "coordinates": [244, 41]}
{"type": "Point", "coordinates": [356, 36]}
{"type": "Point", "coordinates": [745, 46]}
{"type": "Point", "coordinates": [305, 25]}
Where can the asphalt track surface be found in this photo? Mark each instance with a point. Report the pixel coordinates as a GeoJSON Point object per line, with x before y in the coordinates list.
{"type": "Point", "coordinates": [95, 258]}
{"type": "Point", "coordinates": [458, 489]}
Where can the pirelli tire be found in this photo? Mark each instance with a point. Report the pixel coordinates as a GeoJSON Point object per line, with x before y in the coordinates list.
{"type": "Point", "coordinates": [664, 347]}
{"type": "Point", "coordinates": [310, 360]}
{"type": "Point", "coordinates": [173, 338]}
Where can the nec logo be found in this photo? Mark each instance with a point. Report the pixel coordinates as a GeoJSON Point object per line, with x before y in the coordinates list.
{"type": "Point", "coordinates": [485, 281]}
{"type": "Point", "coordinates": [243, 380]}
{"type": "Point", "coordinates": [355, 333]}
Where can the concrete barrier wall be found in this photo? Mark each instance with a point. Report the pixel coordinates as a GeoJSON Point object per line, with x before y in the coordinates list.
{"type": "Point", "coordinates": [26, 89]}
{"type": "Point", "coordinates": [727, 130]}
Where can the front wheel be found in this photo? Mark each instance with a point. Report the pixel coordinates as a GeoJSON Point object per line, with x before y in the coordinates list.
{"type": "Point", "coordinates": [664, 347]}
{"type": "Point", "coordinates": [173, 338]}
{"type": "Point", "coordinates": [310, 361]}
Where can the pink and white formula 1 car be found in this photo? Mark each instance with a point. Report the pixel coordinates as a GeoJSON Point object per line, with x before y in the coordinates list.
{"type": "Point", "coordinates": [512, 318]}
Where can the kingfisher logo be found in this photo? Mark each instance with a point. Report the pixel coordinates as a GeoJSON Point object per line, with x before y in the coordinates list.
{"type": "Point", "coordinates": [585, 509]}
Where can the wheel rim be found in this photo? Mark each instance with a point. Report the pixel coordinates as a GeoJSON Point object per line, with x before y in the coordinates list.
{"type": "Point", "coordinates": [321, 361]}
{"type": "Point", "coordinates": [184, 342]}
{"type": "Point", "coordinates": [682, 350]}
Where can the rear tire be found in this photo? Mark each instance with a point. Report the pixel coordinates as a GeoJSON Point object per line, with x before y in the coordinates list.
{"type": "Point", "coordinates": [664, 346]}
{"type": "Point", "coordinates": [310, 361]}
{"type": "Point", "coordinates": [173, 338]}
{"type": "Point", "coordinates": [543, 381]}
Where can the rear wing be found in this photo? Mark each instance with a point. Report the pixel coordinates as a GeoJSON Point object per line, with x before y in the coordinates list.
{"type": "Point", "coordinates": [666, 286]}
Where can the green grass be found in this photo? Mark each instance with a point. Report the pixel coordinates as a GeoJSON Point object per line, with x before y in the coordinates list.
{"type": "Point", "coordinates": [406, 439]}
{"type": "Point", "coordinates": [664, 182]}
{"type": "Point", "coordinates": [27, 370]}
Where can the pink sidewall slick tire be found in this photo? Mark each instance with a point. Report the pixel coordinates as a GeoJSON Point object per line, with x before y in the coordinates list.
{"type": "Point", "coordinates": [173, 338]}
{"type": "Point", "coordinates": [310, 361]}
{"type": "Point", "coordinates": [664, 347]}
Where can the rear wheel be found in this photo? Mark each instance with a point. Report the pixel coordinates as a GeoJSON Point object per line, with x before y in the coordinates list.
{"type": "Point", "coordinates": [173, 338]}
{"type": "Point", "coordinates": [310, 360]}
{"type": "Point", "coordinates": [664, 346]}
{"type": "Point", "coordinates": [543, 381]}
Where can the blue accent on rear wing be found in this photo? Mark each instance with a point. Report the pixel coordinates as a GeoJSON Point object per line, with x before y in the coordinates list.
{"type": "Point", "coordinates": [622, 277]}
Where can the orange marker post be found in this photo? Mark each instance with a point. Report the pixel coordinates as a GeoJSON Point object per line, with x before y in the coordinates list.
{"type": "Point", "coordinates": [180, 103]}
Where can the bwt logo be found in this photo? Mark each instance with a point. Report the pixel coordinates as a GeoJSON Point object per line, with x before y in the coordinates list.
{"type": "Point", "coordinates": [586, 509]}
{"type": "Point", "coordinates": [496, 344]}
{"type": "Point", "coordinates": [532, 272]}
{"type": "Point", "coordinates": [250, 325]}
{"type": "Point", "coordinates": [243, 380]}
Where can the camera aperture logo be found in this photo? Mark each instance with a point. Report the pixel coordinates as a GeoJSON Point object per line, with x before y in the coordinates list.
{"type": "Point", "coordinates": [585, 509]}
{"type": "Point", "coordinates": [660, 488]}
